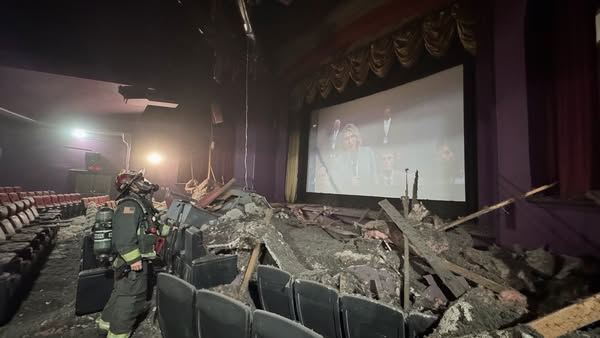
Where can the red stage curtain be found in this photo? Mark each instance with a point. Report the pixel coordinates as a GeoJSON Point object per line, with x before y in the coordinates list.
{"type": "Point", "coordinates": [576, 94]}
{"type": "Point", "coordinates": [563, 94]}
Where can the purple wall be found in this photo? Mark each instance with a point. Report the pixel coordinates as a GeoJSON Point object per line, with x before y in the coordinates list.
{"type": "Point", "coordinates": [503, 131]}
{"type": "Point", "coordinates": [37, 158]}
{"type": "Point", "coordinates": [267, 142]}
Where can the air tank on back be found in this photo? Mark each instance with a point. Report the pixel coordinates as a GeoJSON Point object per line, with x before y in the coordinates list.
{"type": "Point", "coordinates": [102, 231]}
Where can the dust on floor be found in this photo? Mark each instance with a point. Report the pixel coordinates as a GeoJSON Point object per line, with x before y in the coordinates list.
{"type": "Point", "coordinates": [49, 309]}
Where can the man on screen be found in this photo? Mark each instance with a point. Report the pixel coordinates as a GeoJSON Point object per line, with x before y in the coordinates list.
{"type": "Point", "coordinates": [386, 130]}
{"type": "Point", "coordinates": [390, 175]}
{"type": "Point", "coordinates": [333, 135]}
{"type": "Point", "coordinates": [356, 166]}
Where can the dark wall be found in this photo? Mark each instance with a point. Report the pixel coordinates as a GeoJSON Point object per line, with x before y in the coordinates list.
{"type": "Point", "coordinates": [503, 141]}
{"type": "Point", "coordinates": [39, 157]}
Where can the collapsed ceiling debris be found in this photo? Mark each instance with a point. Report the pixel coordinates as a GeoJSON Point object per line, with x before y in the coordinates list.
{"type": "Point", "coordinates": [457, 287]}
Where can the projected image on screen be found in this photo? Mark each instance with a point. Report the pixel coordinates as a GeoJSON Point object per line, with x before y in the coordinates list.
{"type": "Point", "coordinates": [373, 145]}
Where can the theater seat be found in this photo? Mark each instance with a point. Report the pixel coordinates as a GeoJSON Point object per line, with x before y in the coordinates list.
{"type": "Point", "coordinates": [365, 318]}
{"type": "Point", "coordinates": [7, 227]}
{"type": "Point", "coordinates": [17, 189]}
{"type": "Point", "coordinates": [13, 197]}
{"type": "Point", "coordinates": [269, 325]}
{"type": "Point", "coordinates": [275, 291]}
{"type": "Point", "coordinates": [219, 316]}
{"type": "Point", "coordinates": [3, 212]}
{"type": "Point", "coordinates": [8, 189]}
{"type": "Point", "coordinates": [317, 307]}
{"type": "Point", "coordinates": [176, 300]}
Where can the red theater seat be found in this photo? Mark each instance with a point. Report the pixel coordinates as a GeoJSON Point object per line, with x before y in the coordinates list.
{"type": "Point", "coordinates": [8, 189]}
{"type": "Point", "coordinates": [38, 193]}
{"type": "Point", "coordinates": [17, 189]}
{"type": "Point", "coordinates": [13, 196]}
{"type": "Point", "coordinates": [45, 192]}
{"type": "Point", "coordinates": [54, 200]}
{"type": "Point", "coordinates": [31, 193]}
{"type": "Point", "coordinates": [52, 192]}
{"type": "Point", "coordinates": [2, 190]}
{"type": "Point", "coordinates": [4, 198]}
{"type": "Point", "coordinates": [39, 202]}
{"type": "Point", "coordinates": [22, 195]}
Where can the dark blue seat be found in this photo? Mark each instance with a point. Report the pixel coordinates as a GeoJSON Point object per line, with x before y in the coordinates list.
{"type": "Point", "coordinates": [176, 300]}
{"type": "Point", "coordinates": [275, 291]}
{"type": "Point", "coordinates": [365, 318]}
{"type": "Point", "coordinates": [269, 325]}
{"type": "Point", "coordinates": [317, 307]}
{"type": "Point", "coordinates": [219, 316]}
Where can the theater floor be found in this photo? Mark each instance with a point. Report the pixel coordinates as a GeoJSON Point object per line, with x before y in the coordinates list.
{"type": "Point", "coordinates": [49, 310]}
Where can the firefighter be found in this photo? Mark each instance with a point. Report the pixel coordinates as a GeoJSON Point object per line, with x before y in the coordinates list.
{"type": "Point", "coordinates": [132, 220]}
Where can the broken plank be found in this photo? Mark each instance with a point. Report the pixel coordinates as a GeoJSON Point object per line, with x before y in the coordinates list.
{"type": "Point", "coordinates": [474, 277]}
{"type": "Point", "coordinates": [569, 319]}
{"type": "Point", "coordinates": [211, 196]}
{"type": "Point", "coordinates": [250, 270]}
{"type": "Point", "coordinates": [496, 206]}
{"type": "Point", "coordinates": [451, 281]}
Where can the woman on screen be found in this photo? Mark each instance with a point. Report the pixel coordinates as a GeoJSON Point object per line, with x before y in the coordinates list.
{"type": "Point", "coordinates": [356, 165]}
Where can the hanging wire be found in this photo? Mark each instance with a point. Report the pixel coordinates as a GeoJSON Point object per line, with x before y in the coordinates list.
{"type": "Point", "coordinates": [246, 113]}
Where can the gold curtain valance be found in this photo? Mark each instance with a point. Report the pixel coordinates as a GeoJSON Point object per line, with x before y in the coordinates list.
{"type": "Point", "coordinates": [434, 33]}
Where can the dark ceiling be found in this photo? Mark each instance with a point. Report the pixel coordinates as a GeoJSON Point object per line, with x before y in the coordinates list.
{"type": "Point", "coordinates": [146, 42]}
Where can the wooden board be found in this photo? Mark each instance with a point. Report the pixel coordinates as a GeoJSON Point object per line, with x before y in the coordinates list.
{"type": "Point", "coordinates": [474, 277]}
{"type": "Point", "coordinates": [569, 319]}
{"type": "Point", "coordinates": [453, 283]}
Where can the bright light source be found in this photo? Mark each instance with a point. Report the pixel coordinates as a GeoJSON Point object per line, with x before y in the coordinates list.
{"type": "Point", "coordinates": [154, 158]}
{"type": "Point", "coordinates": [79, 133]}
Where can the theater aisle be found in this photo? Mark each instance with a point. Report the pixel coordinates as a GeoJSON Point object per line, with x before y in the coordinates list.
{"type": "Point", "coordinates": [49, 310]}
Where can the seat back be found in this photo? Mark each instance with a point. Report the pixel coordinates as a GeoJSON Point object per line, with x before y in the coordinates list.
{"type": "Point", "coordinates": [8, 189]}
{"type": "Point", "coordinates": [317, 307]}
{"type": "Point", "coordinates": [16, 222]}
{"type": "Point", "coordinates": [17, 189]}
{"type": "Point", "coordinates": [275, 290]}
{"type": "Point", "coordinates": [4, 198]}
{"type": "Point", "coordinates": [219, 316]}
{"type": "Point", "coordinates": [176, 300]}
{"type": "Point", "coordinates": [269, 325]}
{"type": "Point", "coordinates": [3, 212]}
{"type": "Point", "coordinates": [365, 318]}
{"type": "Point", "coordinates": [39, 202]}
{"type": "Point", "coordinates": [7, 227]}
{"type": "Point", "coordinates": [13, 196]}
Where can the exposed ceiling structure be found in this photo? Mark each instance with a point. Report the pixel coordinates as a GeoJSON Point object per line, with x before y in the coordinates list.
{"type": "Point", "coordinates": [36, 94]}
{"type": "Point", "coordinates": [178, 47]}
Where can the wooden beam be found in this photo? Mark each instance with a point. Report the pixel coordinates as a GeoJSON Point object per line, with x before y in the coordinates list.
{"type": "Point", "coordinates": [496, 206]}
{"type": "Point", "coordinates": [569, 319]}
{"type": "Point", "coordinates": [250, 270]}
{"type": "Point", "coordinates": [451, 281]}
{"type": "Point", "coordinates": [211, 196]}
{"type": "Point", "coordinates": [474, 277]}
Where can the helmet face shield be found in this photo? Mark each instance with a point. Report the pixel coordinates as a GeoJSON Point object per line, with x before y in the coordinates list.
{"type": "Point", "coordinates": [135, 181]}
{"type": "Point", "coordinates": [145, 187]}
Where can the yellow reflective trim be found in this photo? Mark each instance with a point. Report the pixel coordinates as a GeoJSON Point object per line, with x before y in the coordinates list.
{"type": "Point", "coordinates": [132, 255]}
{"type": "Point", "coordinates": [118, 335]}
{"type": "Point", "coordinates": [165, 230]}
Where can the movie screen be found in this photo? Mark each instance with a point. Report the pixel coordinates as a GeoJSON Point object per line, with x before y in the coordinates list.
{"type": "Point", "coordinates": [373, 146]}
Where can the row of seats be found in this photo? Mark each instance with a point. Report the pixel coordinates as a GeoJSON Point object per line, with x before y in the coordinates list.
{"type": "Point", "coordinates": [215, 315]}
{"type": "Point", "coordinates": [68, 205]}
{"type": "Point", "coordinates": [99, 200]}
{"type": "Point", "coordinates": [19, 189]}
{"type": "Point", "coordinates": [26, 238]}
{"type": "Point", "coordinates": [290, 303]}
{"type": "Point", "coordinates": [323, 310]}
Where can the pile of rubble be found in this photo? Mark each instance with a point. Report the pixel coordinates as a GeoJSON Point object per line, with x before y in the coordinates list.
{"type": "Point", "coordinates": [411, 261]}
